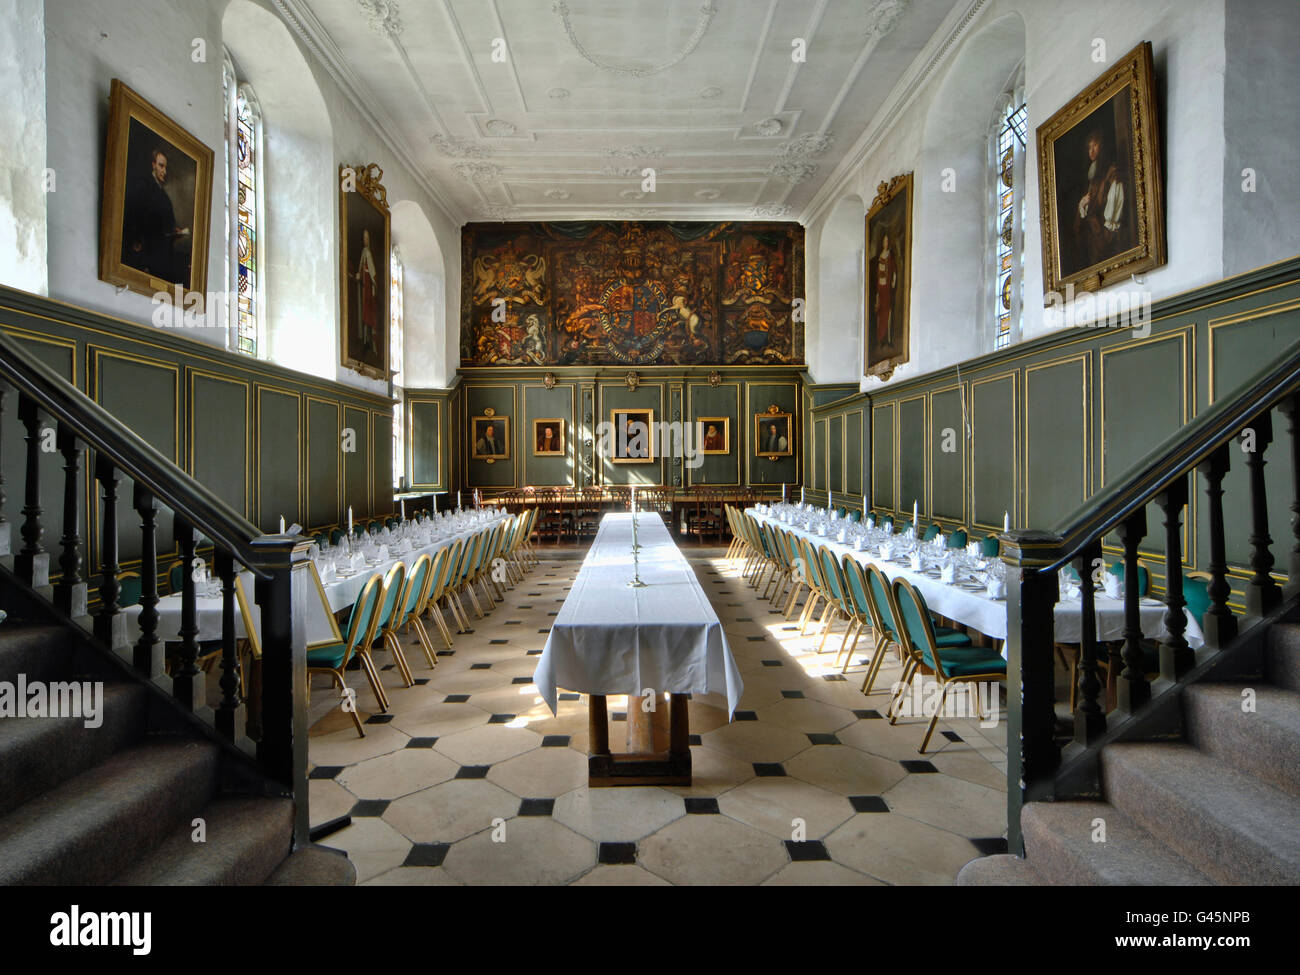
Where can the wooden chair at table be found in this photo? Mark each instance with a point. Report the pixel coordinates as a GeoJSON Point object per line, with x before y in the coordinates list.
{"type": "Point", "coordinates": [951, 666]}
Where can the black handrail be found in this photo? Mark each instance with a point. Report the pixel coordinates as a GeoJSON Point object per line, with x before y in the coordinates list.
{"type": "Point", "coordinates": [143, 463]}
{"type": "Point", "coordinates": [1177, 454]}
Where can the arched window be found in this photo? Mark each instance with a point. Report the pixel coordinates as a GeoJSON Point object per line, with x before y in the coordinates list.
{"type": "Point", "coordinates": [395, 333]}
{"type": "Point", "coordinates": [245, 214]}
{"type": "Point", "coordinates": [1007, 212]}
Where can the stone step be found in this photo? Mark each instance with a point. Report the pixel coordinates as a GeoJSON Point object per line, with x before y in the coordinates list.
{"type": "Point", "coordinates": [91, 827]}
{"type": "Point", "coordinates": [999, 870]}
{"type": "Point", "coordinates": [1063, 842]}
{"type": "Point", "coordinates": [314, 866]}
{"type": "Point", "coordinates": [1226, 823]}
{"type": "Point", "coordinates": [245, 839]}
{"type": "Point", "coordinates": [1264, 742]}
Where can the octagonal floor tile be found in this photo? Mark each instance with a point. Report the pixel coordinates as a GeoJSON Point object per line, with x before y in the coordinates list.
{"type": "Point", "coordinates": [773, 803]}
{"type": "Point", "coordinates": [451, 811]}
{"type": "Point", "coordinates": [487, 744]}
{"type": "Point", "coordinates": [845, 771]}
{"type": "Point", "coordinates": [397, 774]}
{"type": "Point", "coordinates": [618, 815]}
{"type": "Point", "coordinates": [535, 851]}
{"type": "Point", "coordinates": [754, 741]}
{"type": "Point", "coordinates": [373, 846]}
{"type": "Point", "coordinates": [543, 773]}
{"type": "Point", "coordinates": [806, 715]}
{"type": "Point", "coordinates": [899, 850]}
{"type": "Point", "coordinates": [686, 852]}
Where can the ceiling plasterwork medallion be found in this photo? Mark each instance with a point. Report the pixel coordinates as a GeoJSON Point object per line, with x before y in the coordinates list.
{"type": "Point", "coordinates": [711, 91]}
{"type": "Point", "coordinates": [459, 148]}
{"type": "Point", "coordinates": [474, 172]}
{"type": "Point", "coordinates": [885, 16]}
{"type": "Point", "coordinates": [382, 15]}
{"type": "Point", "coordinates": [812, 144]}
{"type": "Point", "coordinates": [768, 126]}
{"type": "Point", "coordinates": [632, 194]}
{"type": "Point", "coordinates": [707, 194]}
{"type": "Point", "coordinates": [499, 127]}
{"type": "Point", "coordinates": [559, 94]}
{"type": "Point", "coordinates": [558, 194]}
{"type": "Point", "coordinates": [793, 171]}
{"type": "Point", "coordinates": [707, 10]}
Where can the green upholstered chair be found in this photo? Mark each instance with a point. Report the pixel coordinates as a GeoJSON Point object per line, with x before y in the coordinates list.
{"type": "Point", "coordinates": [990, 547]}
{"type": "Point", "coordinates": [129, 589]}
{"type": "Point", "coordinates": [389, 612]}
{"type": "Point", "coordinates": [855, 515]}
{"type": "Point", "coordinates": [931, 533]}
{"type": "Point", "coordinates": [333, 658]}
{"type": "Point", "coordinates": [950, 665]}
{"type": "Point", "coordinates": [957, 538]}
{"type": "Point", "coordinates": [1144, 580]}
{"type": "Point", "coordinates": [419, 582]}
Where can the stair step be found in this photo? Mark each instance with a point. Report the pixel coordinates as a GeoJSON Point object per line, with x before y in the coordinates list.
{"type": "Point", "coordinates": [36, 754]}
{"type": "Point", "coordinates": [1264, 742]}
{"type": "Point", "coordinates": [1282, 659]}
{"type": "Point", "coordinates": [1224, 822]}
{"type": "Point", "coordinates": [42, 652]}
{"type": "Point", "coordinates": [246, 839]}
{"type": "Point", "coordinates": [1059, 843]}
{"type": "Point", "coordinates": [314, 866]}
{"type": "Point", "coordinates": [88, 829]}
{"type": "Point", "coordinates": [999, 870]}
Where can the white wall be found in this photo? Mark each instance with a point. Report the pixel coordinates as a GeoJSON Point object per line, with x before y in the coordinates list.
{"type": "Point", "coordinates": [947, 320]}
{"type": "Point", "coordinates": [311, 128]}
{"type": "Point", "coordinates": [23, 251]}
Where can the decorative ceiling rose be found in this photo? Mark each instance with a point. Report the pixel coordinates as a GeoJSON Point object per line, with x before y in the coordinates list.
{"type": "Point", "coordinates": [708, 194]}
{"type": "Point", "coordinates": [500, 127]}
{"type": "Point", "coordinates": [382, 15]}
{"type": "Point", "coordinates": [768, 126]}
{"type": "Point", "coordinates": [885, 16]}
{"type": "Point", "coordinates": [559, 94]}
{"type": "Point", "coordinates": [558, 194]}
{"type": "Point", "coordinates": [711, 91]}
{"type": "Point", "coordinates": [631, 194]}
{"type": "Point", "coordinates": [459, 148]}
{"type": "Point", "coordinates": [633, 152]}
{"type": "Point", "coordinates": [770, 211]}
{"type": "Point", "coordinates": [701, 26]}
{"type": "Point", "coordinates": [792, 171]}
{"type": "Point", "coordinates": [632, 380]}
{"type": "Point", "coordinates": [475, 172]}
{"type": "Point", "coordinates": [812, 144]}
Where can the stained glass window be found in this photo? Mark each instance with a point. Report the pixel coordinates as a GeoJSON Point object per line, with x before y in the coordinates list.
{"type": "Point", "coordinates": [1010, 133]}
{"type": "Point", "coordinates": [395, 333]}
{"type": "Point", "coordinates": [244, 213]}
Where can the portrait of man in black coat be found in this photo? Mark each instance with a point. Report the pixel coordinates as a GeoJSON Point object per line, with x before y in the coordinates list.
{"type": "Point", "coordinates": [153, 240]}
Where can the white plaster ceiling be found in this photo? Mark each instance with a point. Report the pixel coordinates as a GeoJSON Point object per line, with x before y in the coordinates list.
{"type": "Point", "coordinates": [591, 92]}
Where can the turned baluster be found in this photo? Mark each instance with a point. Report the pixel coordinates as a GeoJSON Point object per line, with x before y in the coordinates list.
{"type": "Point", "coordinates": [1220, 625]}
{"type": "Point", "coordinates": [1132, 689]}
{"type": "Point", "coordinates": [187, 681]}
{"type": "Point", "coordinates": [33, 562]}
{"type": "Point", "coordinates": [109, 625]}
{"type": "Point", "coordinates": [70, 591]}
{"type": "Point", "coordinates": [148, 648]}
{"type": "Point", "coordinates": [1291, 407]}
{"type": "Point", "coordinates": [1089, 718]}
{"type": "Point", "coordinates": [227, 717]}
{"type": "Point", "coordinates": [1176, 657]}
{"type": "Point", "coordinates": [1262, 593]}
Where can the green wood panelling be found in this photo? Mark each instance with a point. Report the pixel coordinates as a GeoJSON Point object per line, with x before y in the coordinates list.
{"type": "Point", "coordinates": [1056, 476]}
{"type": "Point", "coordinates": [220, 457]}
{"type": "Point", "coordinates": [853, 453]}
{"type": "Point", "coordinates": [948, 456]}
{"type": "Point", "coordinates": [356, 458]}
{"type": "Point", "coordinates": [279, 459]}
{"type": "Point", "coordinates": [911, 455]}
{"type": "Point", "coordinates": [994, 450]}
{"type": "Point", "coordinates": [323, 453]}
{"type": "Point", "coordinates": [882, 457]}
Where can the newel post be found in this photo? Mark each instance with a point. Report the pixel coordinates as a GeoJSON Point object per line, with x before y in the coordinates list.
{"type": "Point", "coordinates": [1032, 753]}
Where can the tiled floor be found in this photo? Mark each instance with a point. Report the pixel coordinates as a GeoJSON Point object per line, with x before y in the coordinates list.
{"type": "Point", "coordinates": [471, 779]}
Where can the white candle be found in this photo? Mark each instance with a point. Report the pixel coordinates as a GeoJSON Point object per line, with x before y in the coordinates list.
{"type": "Point", "coordinates": [783, 492]}
{"type": "Point", "coordinates": [457, 500]}
{"type": "Point", "coordinates": [801, 495]}
{"type": "Point", "coordinates": [830, 500]}
{"type": "Point", "coordinates": [403, 509]}
{"type": "Point", "coordinates": [282, 524]}
{"type": "Point", "coordinates": [349, 519]}
{"type": "Point", "coordinates": [1006, 521]}
{"type": "Point", "coordinates": [435, 504]}
{"type": "Point", "coordinates": [913, 512]}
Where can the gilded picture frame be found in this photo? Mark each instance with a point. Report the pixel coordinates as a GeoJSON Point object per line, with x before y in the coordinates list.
{"type": "Point", "coordinates": [1101, 187]}
{"type": "Point", "coordinates": [552, 446]}
{"type": "Point", "coordinates": [489, 437]}
{"type": "Point", "coordinates": [157, 199]}
{"type": "Point", "coordinates": [364, 271]}
{"type": "Point", "coordinates": [713, 434]}
{"type": "Point", "coordinates": [773, 434]}
{"type": "Point", "coordinates": [633, 439]}
{"type": "Point", "coordinates": [887, 280]}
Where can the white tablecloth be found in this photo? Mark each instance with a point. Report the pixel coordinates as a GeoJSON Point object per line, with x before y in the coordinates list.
{"type": "Point", "coordinates": [612, 639]}
{"type": "Point", "coordinates": [340, 593]}
{"type": "Point", "coordinates": [979, 611]}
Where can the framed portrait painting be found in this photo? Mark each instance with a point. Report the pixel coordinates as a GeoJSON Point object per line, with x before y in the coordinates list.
{"type": "Point", "coordinates": [1100, 184]}
{"type": "Point", "coordinates": [364, 270]}
{"type": "Point", "coordinates": [548, 437]}
{"type": "Point", "coordinates": [153, 226]}
{"type": "Point", "coordinates": [888, 278]}
{"type": "Point", "coordinates": [489, 437]}
{"type": "Point", "coordinates": [713, 433]}
{"type": "Point", "coordinates": [773, 434]}
{"type": "Point", "coordinates": [633, 437]}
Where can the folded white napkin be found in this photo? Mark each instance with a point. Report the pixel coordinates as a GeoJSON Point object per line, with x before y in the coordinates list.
{"type": "Point", "coordinates": [358, 562]}
{"type": "Point", "coordinates": [886, 551]}
{"type": "Point", "coordinates": [1114, 588]}
{"type": "Point", "coordinates": [996, 588]}
{"type": "Point", "coordinates": [859, 543]}
{"type": "Point", "coordinates": [916, 561]}
{"type": "Point", "coordinates": [843, 536]}
{"type": "Point", "coordinates": [948, 573]}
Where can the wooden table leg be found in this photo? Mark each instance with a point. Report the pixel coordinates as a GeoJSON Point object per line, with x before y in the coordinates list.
{"type": "Point", "coordinates": [643, 765]}
{"type": "Point", "coordinates": [679, 742]}
{"type": "Point", "coordinates": [640, 727]}
{"type": "Point", "coordinates": [598, 724]}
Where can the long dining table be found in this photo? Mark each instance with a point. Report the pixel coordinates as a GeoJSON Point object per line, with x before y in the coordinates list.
{"type": "Point", "coordinates": [612, 636]}
{"type": "Point", "coordinates": [340, 592]}
{"type": "Point", "coordinates": [977, 610]}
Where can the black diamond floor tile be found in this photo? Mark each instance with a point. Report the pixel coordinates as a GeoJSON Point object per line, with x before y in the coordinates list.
{"type": "Point", "coordinates": [951, 735]}
{"type": "Point", "coordinates": [495, 643]}
{"type": "Point", "coordinates": [989, 845]}
{"type": "Point", "coordinates": [369, 807]}
{"type": "Point", "coordinates": [380, 718]}
{"type": "Point", "coordinates": [867, 714]}
{"type": "Point", "coordinates": [426, 855]}
{"type": "Point", "coordinates": [617, 853]}
{"type": "Point", "coordinates": [472, 771]}
{"type": "Point", "coordinates": [556, 741]}
{"type": "Point", "coordinates": [917, 765]}
{"type": "Point", "coordinates": [421, 681]}
{"type": "Point", "coordinates": [702, 806]}
{"type": "Point", "coordinates": [536, 807]}
{"type": "Point", "coordinates": [482, 666]}
{"type": "Point", "coordinates": [533, 653]}
{"type": "Point", "coordinates": [422, 743]}
{"type": "Point", "coordinates": [773, 663]}
{"type": "Point", "coordinates": [868, 804]}
{"type": "Point", "coordinates": [807, 850]}
{"type": "Point", "coordinates": [696, 740]}
{"type": "Point", "coordinates": [745, 716]}
{"type": "Point", "coordinates": [501, 719]}
{"type": "Point", "coordinates": [521, 680]}
{"type": "Point", "coordinates": [792, 695]}
{"type": "Point", "coordinates": [455, 699]}
{"type": "Point", "coordinates": [325, 771]}
{"type": "Point", "coordinates": [768, 769]}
